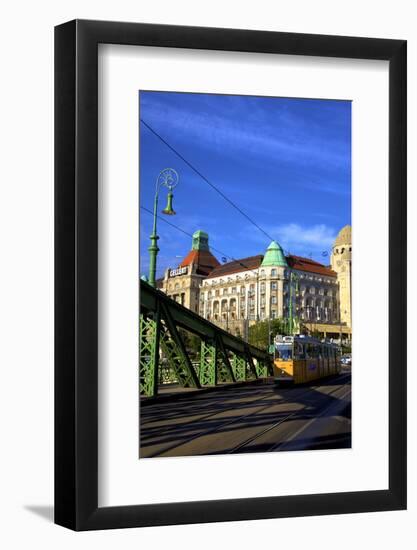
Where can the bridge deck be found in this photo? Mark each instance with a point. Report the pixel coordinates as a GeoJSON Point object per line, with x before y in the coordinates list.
{"type": "Point", "coordinates": [243, 419]}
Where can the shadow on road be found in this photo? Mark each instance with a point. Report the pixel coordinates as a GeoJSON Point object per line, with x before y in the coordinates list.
{"type": "Point", "coordinates": [168, 425]}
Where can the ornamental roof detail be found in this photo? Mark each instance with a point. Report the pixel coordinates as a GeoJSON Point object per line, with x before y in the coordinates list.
{"type": "Point", "coordinates": [274, 256]}
{"type": "Point", "coordinates": [344, 236]}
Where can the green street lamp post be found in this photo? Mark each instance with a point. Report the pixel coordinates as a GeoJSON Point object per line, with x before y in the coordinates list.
{"type": "Point", "coordinates": [292, 320]}
{"type": "Point", "coordinates": [167, 178]}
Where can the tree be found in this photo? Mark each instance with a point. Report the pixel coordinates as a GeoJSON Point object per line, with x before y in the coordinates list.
{"type": "Point", "coordinates": [258, 333]}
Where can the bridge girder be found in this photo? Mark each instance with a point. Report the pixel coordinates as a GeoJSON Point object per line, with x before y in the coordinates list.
{"type": "Point", "coordinates": [161, 317]}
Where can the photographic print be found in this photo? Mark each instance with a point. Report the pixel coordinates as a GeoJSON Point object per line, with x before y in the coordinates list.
{"type": "Point", "coordinates": [245, 274]}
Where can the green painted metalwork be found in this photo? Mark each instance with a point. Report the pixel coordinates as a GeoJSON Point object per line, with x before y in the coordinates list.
{"type": "Point", "coordinates": [208, 364]}
{"type": "Point", "coordinates": [176, 360]}
{"type": "Point", "coordinates": [224, 368]}
{"type": "Point", "coordinates": [261, 369]}
{"type": "Point", "coordinates": [239, 367]}
{"type": "Point", "coordinates": [164, 357]}
{"type": "Point", "coordinates": [168, 178]}
{"type": "Point", "coordinates": [148, 356]}
{"type": "Point", "coordinates": [177, 353]}
{"type": "Point", "coordinates": [251, 365]}
{"type": "Point", "coordinates": [168, 210]}
{"type": "Point", "coordinates": [293, 322]}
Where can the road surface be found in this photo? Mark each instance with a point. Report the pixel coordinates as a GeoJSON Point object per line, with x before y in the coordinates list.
{"type": "Point", "coordinates": [248, 419]}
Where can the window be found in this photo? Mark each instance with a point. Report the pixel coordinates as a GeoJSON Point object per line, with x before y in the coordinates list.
{"type": "Point", "coordinates": [233, 290]}
{"type": "Point", "coordinates": [298, 350]}
{"type": "Point", "coordinates": [224, 291]}
{"type": "Point", "coordinates": [284, 352]}
{"type": "Point", "coordinates": [273, 314]}
{"type": "Point", "coordinates": [273, 272]}
{"type": "Point", "coordinates": [217, 293]}
{"type": "Point", "coordinates": [273, 286]}
{"type": "Point", "coordinates": [312, 351]}
{"type": "Point", "coordinates": [273, 299]}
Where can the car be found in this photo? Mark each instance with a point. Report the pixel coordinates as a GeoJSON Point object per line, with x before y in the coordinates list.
{"type": "Point", "coordinates": [346, 360]}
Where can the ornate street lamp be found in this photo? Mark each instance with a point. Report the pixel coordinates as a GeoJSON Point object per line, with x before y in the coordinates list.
{"type": "Point", "coordinates": [167, 178]}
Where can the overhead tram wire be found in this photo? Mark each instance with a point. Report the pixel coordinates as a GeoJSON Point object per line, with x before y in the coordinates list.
{"type": "Point", "coordinates": [205, 179]}
{"type": "Point", "coordinates": [190, 235]}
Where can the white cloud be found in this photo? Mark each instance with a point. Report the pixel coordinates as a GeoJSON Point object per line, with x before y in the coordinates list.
{"type": "Point", "coordinates": [293, 235]}
{"type": "Point", "coordinates": [307, 241]}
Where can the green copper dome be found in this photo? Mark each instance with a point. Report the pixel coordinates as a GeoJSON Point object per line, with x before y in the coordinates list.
{"type": "Point", "coordinates": [274, 256]}
{"type": "Point", "coordinates": [200, 240]}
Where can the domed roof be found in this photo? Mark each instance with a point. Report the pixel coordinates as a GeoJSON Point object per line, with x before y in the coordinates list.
{"type": "Point", "coordinates": [274, 256]}
{"type": "Point", "coordinates": [344, 236]}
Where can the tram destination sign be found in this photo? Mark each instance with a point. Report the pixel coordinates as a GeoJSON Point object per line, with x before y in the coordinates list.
{"type": "Point", "coordinates": [178, 271]}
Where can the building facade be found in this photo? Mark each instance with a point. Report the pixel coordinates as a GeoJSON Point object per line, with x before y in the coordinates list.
{"type": "Point", "coordinates": [183, 283]}
{"type": "Point", "coordinates": [272, 285]}
{"type": "Point", "coordinates": [269, 286]}
{"type": "Point", "coordinates": [341, 262]}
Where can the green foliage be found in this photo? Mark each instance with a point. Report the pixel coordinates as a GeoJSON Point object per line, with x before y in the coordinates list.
{"type": "Point", "coordinates": [258, 333]}
{"type": "Point", "coordinates": [192, 343]}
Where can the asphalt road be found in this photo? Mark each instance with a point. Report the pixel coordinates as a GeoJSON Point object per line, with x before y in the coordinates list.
{"type": "Point", "coordinates": [250, 419]}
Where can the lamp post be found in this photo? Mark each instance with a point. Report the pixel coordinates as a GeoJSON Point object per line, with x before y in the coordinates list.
{"type": "Point", "coordinates": [167, 178]}
{"type": "Point", "coordinates": [292, 278]}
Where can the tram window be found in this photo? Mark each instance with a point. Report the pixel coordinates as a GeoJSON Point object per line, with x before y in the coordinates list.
{"type": "Point", "coordinates": [299, 351]}
{"type": "Point", "coordinates": [284, 353]}
{"type": "Point", "coordinates": [312, 351]}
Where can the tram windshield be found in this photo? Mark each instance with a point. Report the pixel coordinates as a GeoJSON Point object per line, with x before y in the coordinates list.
{"type": "Point", "coordinates": [284, 352]}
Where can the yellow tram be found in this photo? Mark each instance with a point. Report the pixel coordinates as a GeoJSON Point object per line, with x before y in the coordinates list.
{"type": "Point", "coordinates": [300, 359]}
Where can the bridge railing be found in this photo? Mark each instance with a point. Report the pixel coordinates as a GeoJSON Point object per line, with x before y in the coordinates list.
{"type": "Point", "coordinates": [223, 357]}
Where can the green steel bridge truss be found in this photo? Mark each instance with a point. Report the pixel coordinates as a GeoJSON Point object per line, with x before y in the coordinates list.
{"type": "Point", "coordinates": [163, 354]}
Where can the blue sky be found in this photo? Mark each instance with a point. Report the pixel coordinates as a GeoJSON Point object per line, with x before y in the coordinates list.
{"type": "Point", "coordinates": [285, 162]}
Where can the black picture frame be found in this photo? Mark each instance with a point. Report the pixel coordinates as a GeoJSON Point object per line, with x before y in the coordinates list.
{"type": "Point", "coordinates": [76, 272]}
